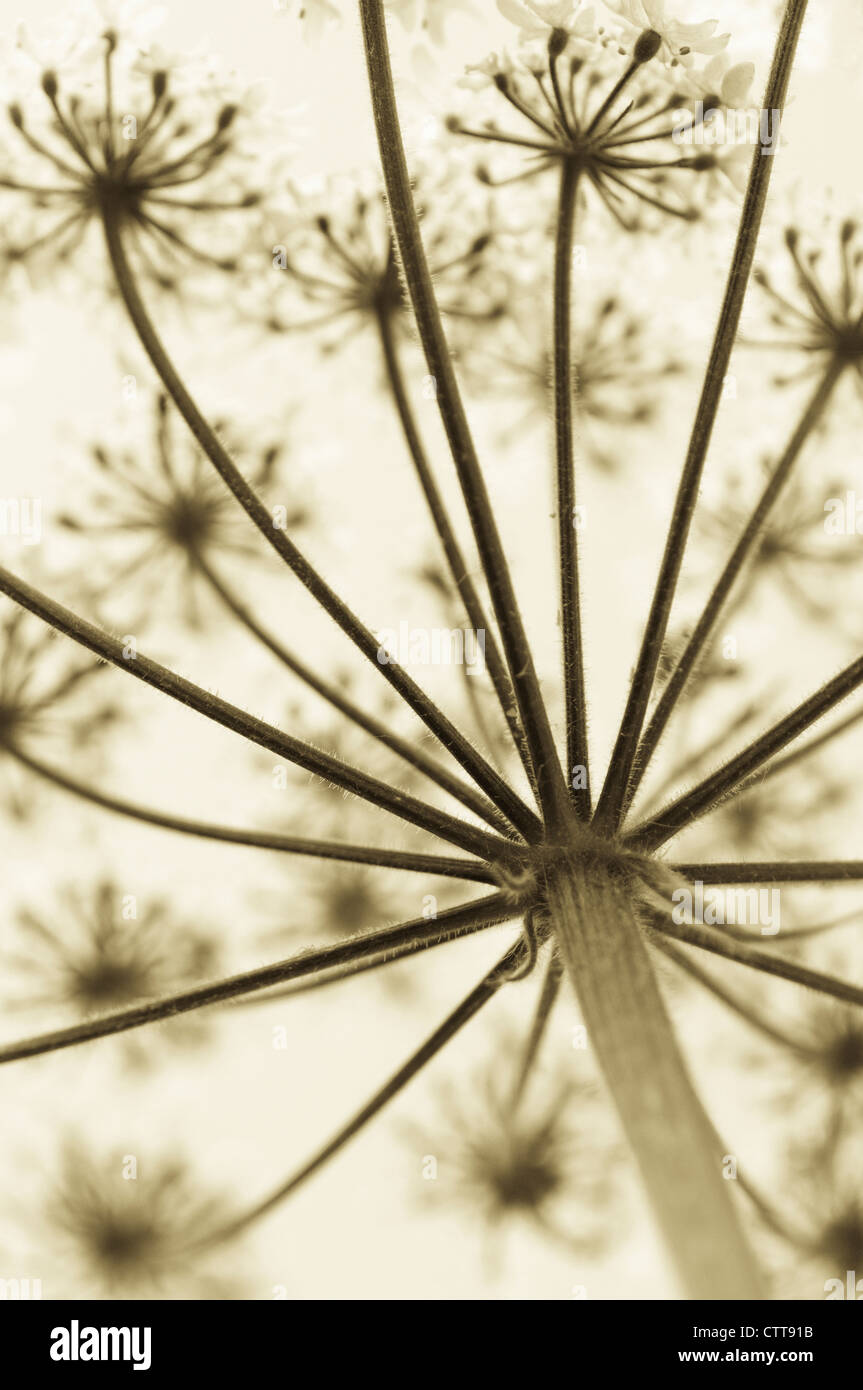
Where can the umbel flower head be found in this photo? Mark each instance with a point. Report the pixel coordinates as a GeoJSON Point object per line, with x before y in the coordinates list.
{"type": "Point", "coordinates": [133, 1230]}
{"type": "Point", "coordinates": [339, 264]}
{"type": "Point", "coordinates": [796, 549]}
{"type": "Point", "coordinates": [163, 511]}
{"type": "Point", "coordinates": [117, 132]}
{"type": "Point", "coordinates": [524, 1159]}
{"type": "Point", "coordinates": [816, 299]}
{"type": "Point", "coordinates": [47, 696]}
{"type": "Point", "coordinates": [612, 112]}
{"type": "Point", "coordinates": [679, 41]}
{"type": "Point", "coordinates": [98, 950]}
{"type": "Point", "coordinates": [618, 377]}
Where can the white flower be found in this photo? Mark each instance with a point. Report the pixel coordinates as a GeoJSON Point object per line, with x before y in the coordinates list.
{"type": "Point", "coordinates": [316, 16]}
{"type": "Point", "coordinates": [430, 15]}
{"type": "Point", "coordinates": [735, 162]}
{"type": "Point", "coordinates": [731, 82]}
{"type": "Point", "coordinates": [680, 41]}
{"type": "Point", "coordinates": [482, 74]}
{"type": "Point", "coordinates": [535, 19]}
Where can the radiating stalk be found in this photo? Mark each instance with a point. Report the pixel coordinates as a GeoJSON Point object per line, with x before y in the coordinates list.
{"type": "Point", "coordinates": [613, 793]}
{"type": "Point", "coordinates": [746, 545]}
{"type": "Point", "coordinates": [534, 716]}
{"type": "Point", "coordinates": [564, 401]}
{"type": "Point", "coordinates": [455, 558]}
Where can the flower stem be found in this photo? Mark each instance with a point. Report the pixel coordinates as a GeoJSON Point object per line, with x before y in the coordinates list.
{"type": "Point", "coordinates": [455, 922]}
{"type": "Point", "coordinates": [602, 947]}
{"type": "Point", "coordinates": [810, 418]}
{"type": "Point", "coordinates": [545, 1004]}
{"type": "Point", "coordinates": [410, 752]}
{"type": "Point", "coordinates": [830, 871]}
{"type": "Point", "coordinates": [564, 393]}
{"type": "Point", "coordinates": [614, 790]}
{"type": "Point", "coordinates": [729, 778]}
{"type": "Point", "coordinates": [741, 953]}
{"type": "Point", "coordinates": [449, 542]}
{"type": "Point", "coordinates": [452, 1024]}
{"type": "Point", "coordinates": [462, 750]}
{"type": "Point", "coordinates": [467, 869]}
{"type": "Point", "coordinates": [471, 838]}
{"type": "Point", "coordinates": [534, 716]}
{"type": "Point", "coordinates": [731, 1001]}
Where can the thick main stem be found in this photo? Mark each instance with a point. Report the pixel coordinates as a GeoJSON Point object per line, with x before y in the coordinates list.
{"type": "Point", "coordinates": [603, 950]}
{"type": "Point", "coordinates": [564, 392]}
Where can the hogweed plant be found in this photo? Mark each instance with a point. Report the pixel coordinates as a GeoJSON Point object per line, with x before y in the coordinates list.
{"type": "Point", "coordinates": [592, 126]}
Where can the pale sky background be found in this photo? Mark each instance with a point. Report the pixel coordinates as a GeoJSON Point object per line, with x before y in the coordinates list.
{"type": "Point", "coordinates": [362, 1229]}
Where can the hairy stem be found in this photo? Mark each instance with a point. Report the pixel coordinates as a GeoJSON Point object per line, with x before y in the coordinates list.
{"type": "Point", "coordinates": [534, 716]}
{"type": "Point", "coordinates": [564, 395]}
{"type": "Point", "coordinates": [810, 418]}
{"type": "Point", "coordinates": [729, 778]}
{"type": "Point", "coordinates": [602, 947]}
{"type": "Point", "coordinates": [452, 1024]}
{"type": "Point", "coordinates": [743, 954]}
{"type": "Point", "coordinates": [545, 1004]}
{"type": "Point", "coordinates": [727, 997]}
{"type": "Point", "coordinates": [410, 752]}
{"type": "Point", "coordinates": [617, 780]}
{"type": "Point", "coordinates": [829, 871]}
{"type": "Point", "coordinates": [467, 869]}
{"type": "Point", "coordinates": [455, 743]}
{"type": "Point", "coordinates": [448, 926]}
{"type": "Point", "coordinates": [294, 750]}
{"type": "Point", "coordinates": [455, 559]}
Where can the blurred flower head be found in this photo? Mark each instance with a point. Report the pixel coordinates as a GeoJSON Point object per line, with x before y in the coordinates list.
{"type": "Point", "coordinates": [815, 299]}
{"type": "Point", "coordinates": [99, 950]}
{"type": "Point", "coordinates": [794, 550]}
{"type": "Point", "coordinates": [544, 1159]}
{"type": "Point", "coordinates": [47, 695]}
{"type": "Point", "coordinates": [338, 264]}
{"type": "Point", "coordinates": [617, 381]}
{"type": "Point", "coordinates": [160, 508]}
{"type": "Point", "coordinates": [131, 1235]}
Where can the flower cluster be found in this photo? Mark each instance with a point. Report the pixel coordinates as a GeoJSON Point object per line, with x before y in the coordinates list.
{"type": "Point", "coordinates": [339, 268]}
{"type": "Point", "coordinates": [131, 1234]}
{"type": "Point", "coordinates": [815, 308]}
{"type": "Point", "coordinates": [617, 380]}
{"type": "Point", "coordinates": [166, 512]}
{"type": "Point", "coordinates": [99, 950]}
{"type": "Point", "coordinates": [114, 132]}
{"type": "Point", "coordinates": [46, 694]}
{"type": "Point", "coordinates": [509, 1159]}
{"type": "Point", "coordinates": [618, 104]}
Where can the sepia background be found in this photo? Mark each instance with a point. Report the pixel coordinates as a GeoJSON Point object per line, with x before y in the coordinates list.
{"type": "Point", "coordinates": [247, 1096]}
